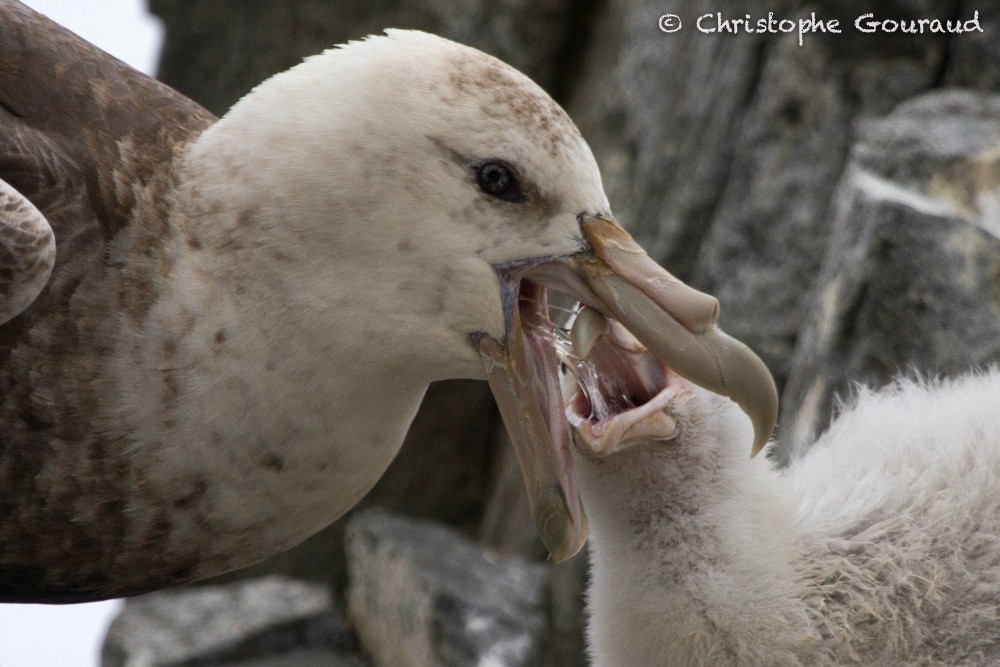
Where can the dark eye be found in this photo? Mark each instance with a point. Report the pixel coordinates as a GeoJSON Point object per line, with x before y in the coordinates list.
{"type": "Point", "coordinates": [498, 180]}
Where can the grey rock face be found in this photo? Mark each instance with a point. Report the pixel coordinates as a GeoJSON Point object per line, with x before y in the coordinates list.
{"type": "Point", "coordinates": [661, 113]}
{"type": "Point", "coordinates": [974, 61]}
{"type": "Point", "coordinates": [303, 658]}
{"type": "Point", "coordinates": [270, 619]}
{"type": "Point", "coordinates": [909, 282]}
{"type": "Point", "coordinates": [420, 595]}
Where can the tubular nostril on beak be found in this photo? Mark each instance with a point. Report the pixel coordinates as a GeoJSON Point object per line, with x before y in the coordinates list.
{"type": "Point", "coordinates": [692, 308]}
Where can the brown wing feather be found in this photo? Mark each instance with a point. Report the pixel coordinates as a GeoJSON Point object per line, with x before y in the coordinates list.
{"type": "Point", "coordinates": [90, 105]}
{"type": "Point", "coordinates": [91, 143]}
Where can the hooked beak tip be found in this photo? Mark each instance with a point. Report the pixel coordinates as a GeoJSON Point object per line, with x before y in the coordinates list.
{"type": "Point", "coordinates": [562, 537]}
{"type": "Point", "coordinates": [747, 381]}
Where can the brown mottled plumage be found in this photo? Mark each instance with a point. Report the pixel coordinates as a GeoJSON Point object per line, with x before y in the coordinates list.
{"type": "Point", "coordinates": [87, 180]}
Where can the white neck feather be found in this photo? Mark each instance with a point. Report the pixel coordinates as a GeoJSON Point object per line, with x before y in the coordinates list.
{"type": "Point", "coordinates": [878, 547]}
{"type": "Point", "coordinates": [693, 549]}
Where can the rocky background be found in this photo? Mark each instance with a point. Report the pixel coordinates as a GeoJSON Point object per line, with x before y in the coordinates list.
{"type": "Point", "coordinates": [841, 198]}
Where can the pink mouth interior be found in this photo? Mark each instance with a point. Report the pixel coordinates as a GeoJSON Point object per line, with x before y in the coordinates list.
{"type": "Point", "coordinates": [619, 379]}
{"type": "Point", "coordinates": [613, 379]}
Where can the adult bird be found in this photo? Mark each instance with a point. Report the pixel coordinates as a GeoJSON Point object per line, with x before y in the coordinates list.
{"type": "Point", "coordinates": [880, 545]}
{"type": "Point", "coordinates": [218, 331]}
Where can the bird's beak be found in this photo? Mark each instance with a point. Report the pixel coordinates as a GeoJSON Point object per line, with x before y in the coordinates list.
{"type": "Point", "coordinates": [676, 323]}
{"type": "Point", "coordinates": [527, 392]}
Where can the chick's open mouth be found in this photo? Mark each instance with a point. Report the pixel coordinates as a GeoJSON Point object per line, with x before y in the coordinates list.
{"type": "Point", "coordinates": [612, 390]}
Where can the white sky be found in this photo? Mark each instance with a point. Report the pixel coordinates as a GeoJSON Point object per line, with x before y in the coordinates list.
{"type": "Point", "coordinates": [71, 635]}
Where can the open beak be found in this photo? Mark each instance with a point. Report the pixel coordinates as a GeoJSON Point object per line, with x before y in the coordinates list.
{"type": "Point", "coordinates": [676, 323]}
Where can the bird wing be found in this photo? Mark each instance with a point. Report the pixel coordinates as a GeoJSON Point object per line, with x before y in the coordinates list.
{"type": "Point", "coordinates": [72, 116]}
{"type": "Point", "coordinates": [90, 143]}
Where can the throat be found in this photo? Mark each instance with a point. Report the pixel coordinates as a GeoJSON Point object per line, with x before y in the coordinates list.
{"type": "Point", "coordinates": [663, 539]}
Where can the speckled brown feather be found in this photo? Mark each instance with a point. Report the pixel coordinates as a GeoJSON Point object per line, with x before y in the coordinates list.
{"type": "Point", "coordinates": [27, 252]}
{"type": "Point", "coordinates": [86, 139]}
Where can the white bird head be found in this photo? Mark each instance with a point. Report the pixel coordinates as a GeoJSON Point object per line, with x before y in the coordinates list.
{"type": "Point", "coordinates": [440, 192]}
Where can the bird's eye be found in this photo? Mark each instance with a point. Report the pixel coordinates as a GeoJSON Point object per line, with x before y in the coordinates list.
{"type": "Point", "coordinates": [497, 179]}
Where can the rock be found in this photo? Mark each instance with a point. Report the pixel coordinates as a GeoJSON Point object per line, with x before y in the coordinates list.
{"type": "Point", "coordinates": [661, 112]}
{"type": "Point", "coordinates": [974, 61]}
{"type": "Point", "coordinates": [306, 658]}
{"type": "Point", "coordinates": [910, 279]}
{"type": "Point", "coordinates": [769, 233]}
{"type": "Point", "coordinates": [420, 595]}
{"type": "Point", "coordinates": [271, 618]}
{"type": "Point", "coordinates": [766, 237]}
{"type": "Point", "coordinates": [721, 151]}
